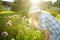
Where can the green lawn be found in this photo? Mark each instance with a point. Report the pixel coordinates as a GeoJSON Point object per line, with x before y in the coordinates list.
{"type": "Point", "coordinates": [4, 12]}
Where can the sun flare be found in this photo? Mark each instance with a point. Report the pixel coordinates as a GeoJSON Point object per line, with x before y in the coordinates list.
{"type": "Point", "coordinates": [34, 1]}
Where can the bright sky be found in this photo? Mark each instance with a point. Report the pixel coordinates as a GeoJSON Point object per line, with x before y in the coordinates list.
{"type": "Point", "coordinates": [34, 0]}
{"type": "Point", "coordinates": [9, 0]}
{"type": "Point", "coordinates": [50, 0]}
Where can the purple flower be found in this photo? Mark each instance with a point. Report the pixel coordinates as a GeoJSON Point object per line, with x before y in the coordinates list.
{"type": "Point", "coordinates": [5, 34]}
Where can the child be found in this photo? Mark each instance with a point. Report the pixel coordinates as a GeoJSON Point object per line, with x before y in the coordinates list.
{"type": "Point", "coordinates": [47, 22]}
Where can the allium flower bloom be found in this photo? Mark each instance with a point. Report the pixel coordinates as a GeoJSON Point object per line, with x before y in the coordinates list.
{"type": "Point", "coordinates": [38, 31]}
{"type": "Point", "coordinates": [20, 30]}
{"type": "Point", "coordinates": [9, 16]}
{"type": "Point", "coordinates": [9, 23]}
{"type": "Point", "coordinates": [15, 16]}
{"type": "Point", "coordinates": [26, 19]}
{"type": "Point", "coordinates": [30, 21]}
{"type": "Point", "coordinates": [24, 26]}
{"type": "Point", "coordinates": [27, 28]}
{"type": "Point", "coordinates": [12, 39]}
{"type": "Point", "coordinates": [5, 17]}
{"type": "Point", "coordinates": [5, 34]}
{"type": "Point", "coordinates": [23, 17]}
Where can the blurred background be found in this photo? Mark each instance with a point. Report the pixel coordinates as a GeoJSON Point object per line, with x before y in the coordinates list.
{"type": "Point", "coordinates": [14, 18]}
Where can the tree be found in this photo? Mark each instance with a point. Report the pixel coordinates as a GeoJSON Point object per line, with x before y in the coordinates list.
{"type": "Point", "coordinates": [20, 5]}
{"type": "Point", "coordinates": [46, 4]}
{"type": "Point", "coordinates": [57, 3]}
{"type": "Point", "coordinates": [0, 6]}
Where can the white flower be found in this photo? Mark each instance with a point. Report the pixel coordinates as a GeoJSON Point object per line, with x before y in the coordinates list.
{"type": "Point", "coordinates": [20, 30]}
{"type": "Point", "coordinates": [9, 23]}
{"type": "Point", "coordinates": [5, 17]}
{"type": "Point", "coordinates": [24, 26]}
{"type": "Point", "coordinates": [15, 16]}
{"type": "Point", "coordinates": [9, 16]}
{"type": "Point", "coordinates": [38, 31]}
{"type": "Point", "coordinates": [26, 19]}
{"type": "Point", "coordinates": [27, 28]}
{"type": "Point", "coordinates": [30, 21]}
{"type": "Point", "coordinates": [12, 39]}
{"type": "Point", "coordinates": [23, 17]}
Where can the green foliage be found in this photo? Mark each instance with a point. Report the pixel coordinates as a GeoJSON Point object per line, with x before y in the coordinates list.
{"type": "Point", "coordinates": [16, 23]}
{"type": "Point", "coordinates": [0, 6]}
{"type": "Point", "coordinates": [58, 3]}
{"type": "Point", "coordinates": [54, 12]}
{"type": "Point", "coordinates": [12, 30]}
{"type": "Point", "coordinates": [58, 17]}
{"type": "Point", "coordinates": [46, 4]}
{"type": "Point", "coordinates": [19, 28]}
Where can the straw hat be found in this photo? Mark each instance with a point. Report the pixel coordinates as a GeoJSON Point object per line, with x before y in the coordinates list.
{"type": "Point", "coordinates": [33, 9]}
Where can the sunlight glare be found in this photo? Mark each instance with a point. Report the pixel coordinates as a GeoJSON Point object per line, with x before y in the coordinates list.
{"type": "Point", "coordinates": [34, 1]}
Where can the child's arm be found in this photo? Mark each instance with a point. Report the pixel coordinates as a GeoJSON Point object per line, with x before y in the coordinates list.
{"type": "Point", "coordinates": [47, 35]}
{"type": "Point", "coordinates": [34, 24]}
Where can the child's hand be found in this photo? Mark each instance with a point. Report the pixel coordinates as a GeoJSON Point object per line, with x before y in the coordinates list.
{"type": "Point", "coordinates": [47, 35]}
{"type": "Point", "coordinates": [34, 24]}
